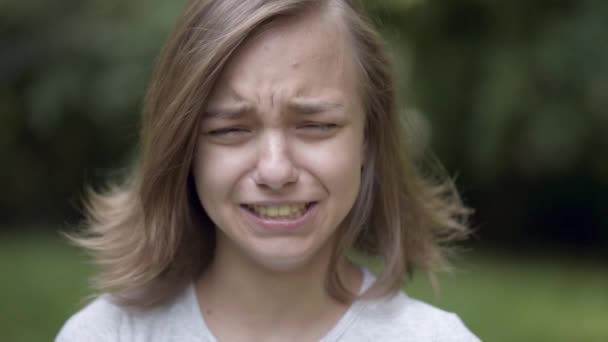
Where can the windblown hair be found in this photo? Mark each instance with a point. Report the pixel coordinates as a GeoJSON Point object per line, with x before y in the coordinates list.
{"type": "Point", "coordinates": [150, 234]}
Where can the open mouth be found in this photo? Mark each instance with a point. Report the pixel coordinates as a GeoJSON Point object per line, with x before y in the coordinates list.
{"type": "Point", "coordinates": [280, 211]}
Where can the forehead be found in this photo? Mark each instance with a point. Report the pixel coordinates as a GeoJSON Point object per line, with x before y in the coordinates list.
{"type": "Point", "coordinates": [305, 53]}
{"type": "Point", "coordinates": [310, 36]}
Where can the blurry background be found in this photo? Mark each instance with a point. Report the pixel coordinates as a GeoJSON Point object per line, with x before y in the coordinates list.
{"type": "Point", "coordinates": [515, 95]}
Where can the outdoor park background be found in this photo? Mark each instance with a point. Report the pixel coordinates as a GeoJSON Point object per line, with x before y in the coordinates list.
{"type": "Point", "coordinates": [511, 95]}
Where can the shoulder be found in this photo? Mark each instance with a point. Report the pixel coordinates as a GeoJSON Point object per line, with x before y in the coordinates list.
{"type": "Point", "coordinates": [403, 318]}
{"type": "Point", "coordinates": [104, 320]}
{"type": "Point", "coordinates": [443, 325]}
{"type": "Point", "coordinates": [99, 320]}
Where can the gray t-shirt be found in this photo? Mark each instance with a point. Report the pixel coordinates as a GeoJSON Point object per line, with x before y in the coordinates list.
{"type": "Point", "coordinates": [398, 318]}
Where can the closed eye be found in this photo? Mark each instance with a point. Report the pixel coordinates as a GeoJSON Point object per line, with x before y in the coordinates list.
{"type": "Point", "coordinates": [232, 135]}
{"type": "Point", "coordinates": [319, 126]}
{"type": "Point", "coordinates": [227, 131]}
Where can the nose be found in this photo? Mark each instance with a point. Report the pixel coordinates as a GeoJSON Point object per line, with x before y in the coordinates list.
{"type": "Point", "coordinates": [275, 168]}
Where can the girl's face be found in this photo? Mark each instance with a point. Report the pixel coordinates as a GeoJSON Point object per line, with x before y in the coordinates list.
{"type": "Point", "coordinates": [278, 161]}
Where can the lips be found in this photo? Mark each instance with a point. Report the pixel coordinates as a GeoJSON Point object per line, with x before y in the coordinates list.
{"type": "Point", "coordinates": [299, 220]}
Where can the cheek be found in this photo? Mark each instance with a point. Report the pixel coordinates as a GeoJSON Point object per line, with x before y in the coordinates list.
{"type": "Point", "coordinates": [338, 164]}
{"type": "Point", "coordinates": [216, 171]}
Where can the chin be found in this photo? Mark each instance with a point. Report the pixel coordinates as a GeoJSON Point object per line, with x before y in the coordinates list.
{"type": "Point", "coordinates": [288, 260]}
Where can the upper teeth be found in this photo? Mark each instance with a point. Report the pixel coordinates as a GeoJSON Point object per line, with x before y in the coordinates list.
{"type": "Point", "coordinates": [284, 210]}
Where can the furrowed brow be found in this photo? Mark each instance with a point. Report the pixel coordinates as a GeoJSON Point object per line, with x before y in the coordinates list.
{"type": "Point", "coordinates": [232, 112]}
{"type": "Point", "coordinates": [309, 107]}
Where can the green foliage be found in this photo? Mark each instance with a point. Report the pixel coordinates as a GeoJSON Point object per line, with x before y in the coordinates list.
{"type": "Point", "coordinates": [74, 74]}
{"type": "Point", "coordinates": [515, 92]}
{"type": "Point", "coordinates": [513, 86]}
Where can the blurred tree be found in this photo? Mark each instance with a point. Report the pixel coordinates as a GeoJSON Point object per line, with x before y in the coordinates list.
{"type": "Point", "coordinates": [73, 77]}
{"type": "Point", "coordinates": [515, 91]}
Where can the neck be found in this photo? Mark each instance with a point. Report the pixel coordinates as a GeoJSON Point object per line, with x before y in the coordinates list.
{"type": "Point", "coordinates": [261, 300]}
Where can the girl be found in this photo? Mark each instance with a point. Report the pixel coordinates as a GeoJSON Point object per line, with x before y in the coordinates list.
{"type": "Point", "coordinates": [271, 146]}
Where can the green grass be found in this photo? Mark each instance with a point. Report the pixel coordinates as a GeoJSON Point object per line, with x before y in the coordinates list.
{"type": "Point", "coordinates": [526, 298]}
{"type": "Point", "coordinates": [43, 280]}
{"type": "Point", "coordinates": [500, 298]}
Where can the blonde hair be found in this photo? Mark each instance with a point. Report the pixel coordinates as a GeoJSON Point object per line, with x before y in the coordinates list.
{"type": "Point", "coordinates": [151, 236]}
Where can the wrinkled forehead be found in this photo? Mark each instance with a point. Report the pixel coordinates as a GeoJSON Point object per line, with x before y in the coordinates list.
{"type": "Point", "coordinates": [300, 47]}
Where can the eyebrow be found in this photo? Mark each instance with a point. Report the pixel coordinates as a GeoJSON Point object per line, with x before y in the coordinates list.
{"type": "Point", "coordinates": [298, 106]}
{"type": "Point", "coordinates": [309, 107]}
{"type": "Point", "coordinates": [231, 112]}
